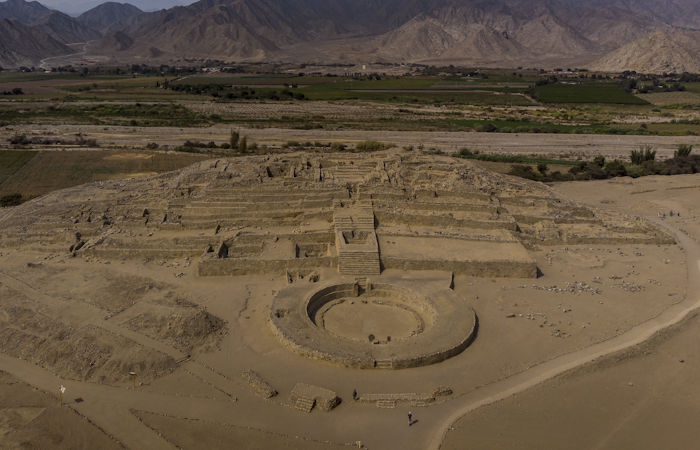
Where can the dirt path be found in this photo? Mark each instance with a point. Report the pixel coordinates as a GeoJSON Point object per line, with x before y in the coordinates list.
{"type": "Point", "coordinates": [571, 145]}
{"type": "Point", "coordinates": [550, 369]}
{"type": "Point", "coordinates": [44, 64]}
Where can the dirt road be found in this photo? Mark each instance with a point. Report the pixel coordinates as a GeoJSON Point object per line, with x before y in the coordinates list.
{"type": "Point", "coordinates": [571, 145]}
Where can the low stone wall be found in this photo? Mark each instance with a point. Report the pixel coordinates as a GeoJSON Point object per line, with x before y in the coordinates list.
{"type": "Point", "coordinates": [213, 267]}
{"type": "Point", "coordinates": [450, 327]}
{"type": "Point", "coordinates": [258, 385]}
{"type": "Point", "coordinates": [486, 269]}
{"type": "Point", "coordinates": [384, 217]}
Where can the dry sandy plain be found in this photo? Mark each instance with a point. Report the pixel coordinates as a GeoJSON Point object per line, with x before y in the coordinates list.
{"type": "Point", "coordinates": [553, 145]}
{"type": "Point", "coordinates": [174, 277]}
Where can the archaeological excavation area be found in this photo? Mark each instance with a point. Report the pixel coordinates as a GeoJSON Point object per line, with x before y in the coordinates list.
{"type": "Point", "coordinates": [310, 300]}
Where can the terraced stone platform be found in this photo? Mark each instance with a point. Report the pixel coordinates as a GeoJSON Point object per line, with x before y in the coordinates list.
{"type": "Point", "coordinates": [358, 214]}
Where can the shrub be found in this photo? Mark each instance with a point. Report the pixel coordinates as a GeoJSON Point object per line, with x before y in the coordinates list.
{"type": "Point", "coordinates": [683, 151]}
{"type": "Point", "coordinates": [487, 128]}
{"type": "Point", "coordinates": [371, 146]}
{"type": "Point", "coordinates": [677, 166]}
{"type": "Point", "coordinates": [235, 136]}
{"type": "Point", "coordinates": [599, 161]}
{"type": "Point", "coordinates": [10, 200]}
{"type": "Point", "coordinates": [636, 171]}
{"type": "Point", "coordinates": [543, 168]}
{"type": "Point", "coordinates": [19, 139]}
{"type": "Point", "coordinates": [615, 169]}
{"type": "Point", "coordinates": [523, 171]}
{"type": "Point", "coordinates": [152, 146]}
{"type": "Point", "coordinates": [645, 153]}
{"type": "Point", "coordinates": [588, 171]}
{"type": "Point", "coordinates": [337, 147]}
{"type": "Point", "coordinates": [652, 167]}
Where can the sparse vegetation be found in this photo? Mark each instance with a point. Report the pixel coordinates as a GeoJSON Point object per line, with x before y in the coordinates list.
{"type": "Point", "coordinates": [585, 92]}
{"type": "Point", "coordinates": [645, 153]}
{"type": "Point", "coordinates": [372, 146]}
{"type": "Point", "coordinates": [233, 142]}
{"type": "Point", "coordinates": [684, 150]}
{"type": "Point", "coordinates": [10, 200]}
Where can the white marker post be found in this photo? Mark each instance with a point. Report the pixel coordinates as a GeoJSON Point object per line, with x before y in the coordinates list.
{"type": "Point", "coordinates": [61, 390]}
{"type": "Point", "coordinates": [133, 379]}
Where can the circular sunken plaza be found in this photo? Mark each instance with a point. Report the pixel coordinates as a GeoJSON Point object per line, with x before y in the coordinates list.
{"type": "Point", "coordinates": [366, 325]}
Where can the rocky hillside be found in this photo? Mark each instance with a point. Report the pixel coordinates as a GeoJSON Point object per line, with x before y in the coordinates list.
{"type": "Point", "coordinates": [479, 32]}
{"type": "Point", "coordinates": [23, 45]}
{"type": "Point", "coordinates": [657, 52]}
{"type": "Point", "coordinates": [22, 11]}
{"type": "Point", "coordinates": [64, 28]}
{"type": "Point", "coordinates": [106, 15]}
{"type": "Point", "coordinates": [31, 32]}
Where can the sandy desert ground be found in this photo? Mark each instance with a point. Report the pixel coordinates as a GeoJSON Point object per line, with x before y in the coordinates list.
{"type": "Point", "coordinates": [577, 334]}
{"type": "Point", "coordinates": [641, 397]}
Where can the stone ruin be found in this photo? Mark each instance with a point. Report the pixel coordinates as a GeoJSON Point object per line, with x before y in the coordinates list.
{"type": "Point", "coordinates": [360, 215]}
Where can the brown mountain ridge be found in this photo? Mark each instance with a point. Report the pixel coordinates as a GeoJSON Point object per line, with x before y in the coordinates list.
{"type": "Point", "coordinates": [533, 33]}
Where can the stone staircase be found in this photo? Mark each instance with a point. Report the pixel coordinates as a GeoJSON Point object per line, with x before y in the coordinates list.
{"type": "Point", "coordinates": [305, 404]}
{"type": "Point", "coordinates": [356, 257]}
{"type": "Point", "coordinates": [362, 263]}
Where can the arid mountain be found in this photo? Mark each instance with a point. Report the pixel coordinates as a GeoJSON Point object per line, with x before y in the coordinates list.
{"type": "Point", "coordinates": [24, 45]}
{"type": "Point", "coordinates": [106, 15]}
{"type": "Point", "coordinates": [677, 13]}
{"type": "Point", "coordinates": [493, 32]}
{"type": "Point", "coordinates": [22, 11]}
{"type": "Point", "coordinates": [479, 32]}
{"type": "Point", "coordinates": [657, 52]}
{"type": "Point", "coordinates": [533, 33]}
{"type": "Point", "coordinates": [64, 28]}
{"type": "Point", "coordinates": [31, 32]}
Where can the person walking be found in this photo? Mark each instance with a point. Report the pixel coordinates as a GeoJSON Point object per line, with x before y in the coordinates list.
{"type": "Point", "coordinates": [410, 418]}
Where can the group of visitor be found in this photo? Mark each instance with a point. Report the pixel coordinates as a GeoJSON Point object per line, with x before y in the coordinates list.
{"type": "Point", "coordinates": [671, 213]}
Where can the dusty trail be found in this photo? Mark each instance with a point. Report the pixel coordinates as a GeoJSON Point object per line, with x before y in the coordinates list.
{"type": "Point", "coordinates": [611, 146]}
{"type": "Point", "coordinates": [550, 369]}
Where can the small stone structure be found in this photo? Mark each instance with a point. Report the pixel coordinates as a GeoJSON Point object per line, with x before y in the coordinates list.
{"type": "Point", "coordinates": [410, 399]}
{"type": "Point", "coordinates": [259, 385]}
{"type": "Point", "coordinates": [305, 396]}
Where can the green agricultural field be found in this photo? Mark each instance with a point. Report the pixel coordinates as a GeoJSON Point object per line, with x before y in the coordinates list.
{"type": "Point", "coordinates": [526, 126]}
{"type": "Point", "coordinates": [12, 161]}
{"type": "Point", "coordinates": [133, 114]}
{"type": "Point", "coordinates": [49, 171]}
{"type": "Point", "coordinates": [421, 90]}
{"type": "Point", "coordinates": [692, 87]}
{"type": "Point", "coordinates": [586, 93]}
